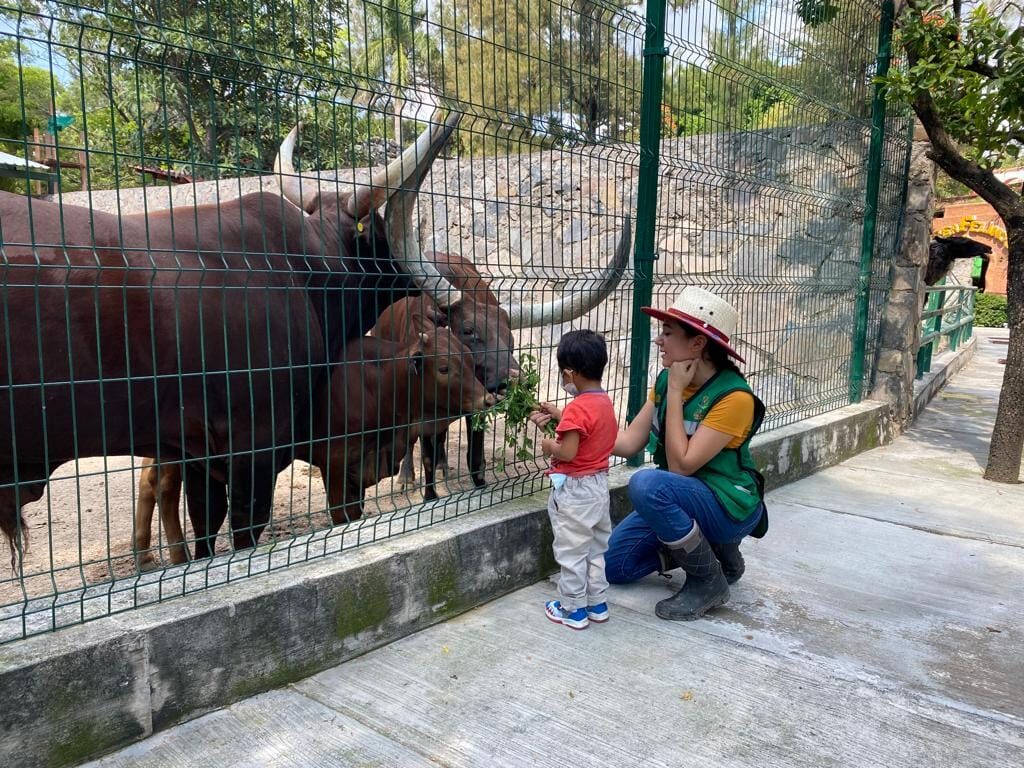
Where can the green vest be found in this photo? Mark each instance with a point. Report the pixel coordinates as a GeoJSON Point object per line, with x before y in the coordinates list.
{"type": "Point", "coordinates": [731, 474]}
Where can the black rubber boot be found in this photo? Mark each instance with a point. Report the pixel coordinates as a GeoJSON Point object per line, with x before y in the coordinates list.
{"type": "Point", "coordinates": [666, 562]}
{"type": "Point", "coordinates": [705, 586]}
{"type": "Point", "coordinates": [731, 558]}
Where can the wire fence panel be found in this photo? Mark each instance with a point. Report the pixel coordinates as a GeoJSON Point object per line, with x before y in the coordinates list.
{"type": "Point", "coordinates": [269, 266]}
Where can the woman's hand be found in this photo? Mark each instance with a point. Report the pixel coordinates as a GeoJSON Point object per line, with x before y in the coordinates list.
{"type": "Point", "coordinates": [681, 374]}
{"type": "Point", "coordinates": [547, 412]}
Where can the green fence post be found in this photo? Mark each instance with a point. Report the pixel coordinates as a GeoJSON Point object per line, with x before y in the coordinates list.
{"type": "Point", "coordinates": [971, 298]}
{"type": "Point", "coordinates": [954, 337]}
{"type": "Point", "coordinates": [924, 351]}
{"type": "Point", "coordinates": [867, 244]}
{"type": "Point", "coordinates": [646, 208]}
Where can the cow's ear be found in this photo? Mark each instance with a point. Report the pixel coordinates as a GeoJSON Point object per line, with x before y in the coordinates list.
{"type": "Point", "coordinates": [421, 324]}
{"type": "Point", "coordinates": [419, 352]}
{"type": "Point", "coordinates": [418, 356]}
{"type": "Point", "coordinates": [439, 318]}
{"type": "Point", "coordinates": [367, 227]}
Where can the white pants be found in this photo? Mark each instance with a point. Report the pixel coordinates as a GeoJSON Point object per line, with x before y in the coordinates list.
{"type": "Point", "coordinates": [581, 524]}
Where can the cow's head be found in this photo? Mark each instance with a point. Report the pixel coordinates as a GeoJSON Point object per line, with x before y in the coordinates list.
{"type": "Point", "coordinates": [445, 373]}
{"type": "Point", "coordinates": [485, 327]}
{"type": "Point", "coordinates": [350, 218]}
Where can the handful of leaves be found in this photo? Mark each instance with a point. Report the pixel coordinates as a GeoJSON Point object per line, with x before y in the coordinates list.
{"type": "Point", "coordinates": [519, 402]}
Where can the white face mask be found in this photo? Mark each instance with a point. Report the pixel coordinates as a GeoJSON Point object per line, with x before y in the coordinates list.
{"type": "Point", "coordinates": [570, 389]}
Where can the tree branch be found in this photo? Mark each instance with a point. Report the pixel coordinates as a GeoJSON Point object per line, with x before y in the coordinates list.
{"type": "Point", "coordinates": [982, 68]}
{"type": "Point", "coordinates": [947, 155]}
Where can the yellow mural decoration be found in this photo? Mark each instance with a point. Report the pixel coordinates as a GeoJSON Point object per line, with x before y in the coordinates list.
{"type": "Point", "coordinates": [970, 224]}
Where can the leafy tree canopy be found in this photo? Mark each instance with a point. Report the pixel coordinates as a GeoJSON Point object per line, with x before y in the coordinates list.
{"type": "Point", "coordinates": [972, 70]}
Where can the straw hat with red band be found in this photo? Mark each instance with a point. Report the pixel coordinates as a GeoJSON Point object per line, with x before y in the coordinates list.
{"type": "Point", "coordinates": [705, 313]}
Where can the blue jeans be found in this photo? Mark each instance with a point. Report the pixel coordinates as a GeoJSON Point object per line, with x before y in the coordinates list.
{"type": "Point", "coordinates": [665, 506]}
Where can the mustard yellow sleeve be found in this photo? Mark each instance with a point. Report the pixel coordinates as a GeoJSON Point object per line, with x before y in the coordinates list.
{"type": "Point", "coordinates": [732, 415]}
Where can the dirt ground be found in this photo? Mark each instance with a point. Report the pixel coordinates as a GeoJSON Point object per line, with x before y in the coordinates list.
{"type": "Point", "coordinates": [80, 532]}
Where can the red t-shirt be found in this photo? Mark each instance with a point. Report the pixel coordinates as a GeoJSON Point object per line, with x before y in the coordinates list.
{"type": "Point", "coordinates": [593, 416]}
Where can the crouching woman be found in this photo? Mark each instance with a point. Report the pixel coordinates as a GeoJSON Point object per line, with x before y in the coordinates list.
{"type": "Point", "coordinates": [706, 495]}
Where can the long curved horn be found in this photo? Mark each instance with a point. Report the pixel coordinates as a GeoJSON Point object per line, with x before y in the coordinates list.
{"type": "Point", "coordinates": [407, 170]}
{"type": "Point", "coordinates": [291, 188]}
{"type": "Point", "coordinates": [582, 293]}
{"type": "Point", "coordinates": [402, 232]}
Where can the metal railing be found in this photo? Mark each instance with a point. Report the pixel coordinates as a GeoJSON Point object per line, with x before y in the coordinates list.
{"type": "Point", "coordinates": [948, 319]}
{"type": "Point", "coordinates": [740, 140]}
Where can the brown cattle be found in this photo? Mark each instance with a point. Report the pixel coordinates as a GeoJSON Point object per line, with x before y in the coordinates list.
{"type": "Point", "coordinates": [192, 334]}
{"type": "Point", "coordinates": [483, 325]}
{"type": "Point", "coordinates": [379, 398]}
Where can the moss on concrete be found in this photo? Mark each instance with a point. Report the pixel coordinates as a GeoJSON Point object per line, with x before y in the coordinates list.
{"type": "Point", "coordinates": [82, 741]}
{"type": "Point", "coordinates": [282, 673]}
{"type": "Point", "coordinates": [363, 605]}
{"type": "Point", "coordinates": [443, 594]}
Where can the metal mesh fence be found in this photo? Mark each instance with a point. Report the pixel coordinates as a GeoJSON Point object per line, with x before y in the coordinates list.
{"type": "Point", "coordinates": [188, 281]}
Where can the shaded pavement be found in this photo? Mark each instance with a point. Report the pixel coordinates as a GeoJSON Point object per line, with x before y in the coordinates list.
{"type": "Point", "coordinates": [880, 622]}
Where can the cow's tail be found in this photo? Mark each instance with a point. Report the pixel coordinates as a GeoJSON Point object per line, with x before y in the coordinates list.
{"type": "Point", "coordinates": [12, 523]}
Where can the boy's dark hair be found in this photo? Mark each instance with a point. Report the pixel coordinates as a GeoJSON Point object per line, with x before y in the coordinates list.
{"type": "Point", "coordinates": [584, 352]}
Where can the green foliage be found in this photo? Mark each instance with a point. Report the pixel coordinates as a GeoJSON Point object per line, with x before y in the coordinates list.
{"type": "Point", "coordinates": [537, 70]}
{"type": "Point", "coordinates": [815, 12]}
{"type": "Point", "coordinates": [519, 402]}
{"type": "Point", "coordinates": [972, 70]}
{"type": "Point", "coordinates": [990, 310]}
{"type": "Point", "coordinates": [25, 98]}
{"type": "Point", "coordinates": [202, 86]}
{"type": "Point", "coordinates": [947, 187]}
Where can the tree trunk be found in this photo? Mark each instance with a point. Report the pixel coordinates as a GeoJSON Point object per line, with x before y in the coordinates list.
{"type": "Point", "coordinates": [1008, 436]}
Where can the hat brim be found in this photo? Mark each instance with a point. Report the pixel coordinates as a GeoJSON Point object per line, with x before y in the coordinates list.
{"type": "Point", "coordinates": [668, 317]}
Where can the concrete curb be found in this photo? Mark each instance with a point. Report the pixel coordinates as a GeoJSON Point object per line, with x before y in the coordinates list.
{"type": "Point", "coordinates": [943, 367]}
{"type": "Point", "coordinates": [87, 690]}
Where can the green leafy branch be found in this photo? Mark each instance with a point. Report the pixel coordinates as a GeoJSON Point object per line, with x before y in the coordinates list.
{"type": "Point", "coordinates": [519, 402]}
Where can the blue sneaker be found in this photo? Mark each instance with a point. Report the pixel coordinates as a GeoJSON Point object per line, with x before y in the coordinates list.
{"type": "Point", "coordinates": [598, 613]}
{"type": "Point", "coordinates": [573, 619]}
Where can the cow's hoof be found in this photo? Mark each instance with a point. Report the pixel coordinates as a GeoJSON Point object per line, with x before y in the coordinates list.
{"type": "Point", "coordinates": [442, 467]}
{"type": "Point", "coordinates": [406, 481]}
{"type": "Point", "coordinates": [145, 562]}
{"type": "Point", "coordinates": [479, 482]}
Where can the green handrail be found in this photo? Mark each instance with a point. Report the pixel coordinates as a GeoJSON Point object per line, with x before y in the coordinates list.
{"type": "Point", "coordinates": [933, 328]}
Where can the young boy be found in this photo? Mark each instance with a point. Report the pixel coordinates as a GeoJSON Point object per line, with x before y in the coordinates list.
{"type": "Point", "coordinates": [578, 506]}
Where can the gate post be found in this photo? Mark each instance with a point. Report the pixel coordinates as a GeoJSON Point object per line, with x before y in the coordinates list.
{"type": "Point", "coordinates": [646, 208]}
{"type": "Point", "coordinates": [867, 245]}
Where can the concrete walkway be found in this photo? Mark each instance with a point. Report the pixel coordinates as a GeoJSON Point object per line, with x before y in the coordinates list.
{"type": "Point", "coordinates": [881, 622]}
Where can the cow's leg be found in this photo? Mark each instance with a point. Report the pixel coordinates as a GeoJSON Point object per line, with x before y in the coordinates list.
{"type": "Point", "coordinates": [252, 496]}
{"type": "Point", "coordinates": [169, 500]}
{"type": "Point", "coordinates": [475, 452]}
{"type": "Point", "coordinates": [207, 506]}
{"type": "Point", "coordinates": [158, 488]}
{"type": "Point", "coordinates": [407, 472]}
{"type": "Point", "coordinates": [441, 453]}
{"type": "Point", "coordinates": [332, 462]}
{"type": "Point", "coordinates": [428, 450]}
{"type": "Point", "coordinates": [144, 506]}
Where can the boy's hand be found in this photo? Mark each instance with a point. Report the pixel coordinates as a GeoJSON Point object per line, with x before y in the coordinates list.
{"type": "Point", "coordinates": [546, 413]}
{"type": "Point", "coordinates": [548, 445]}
